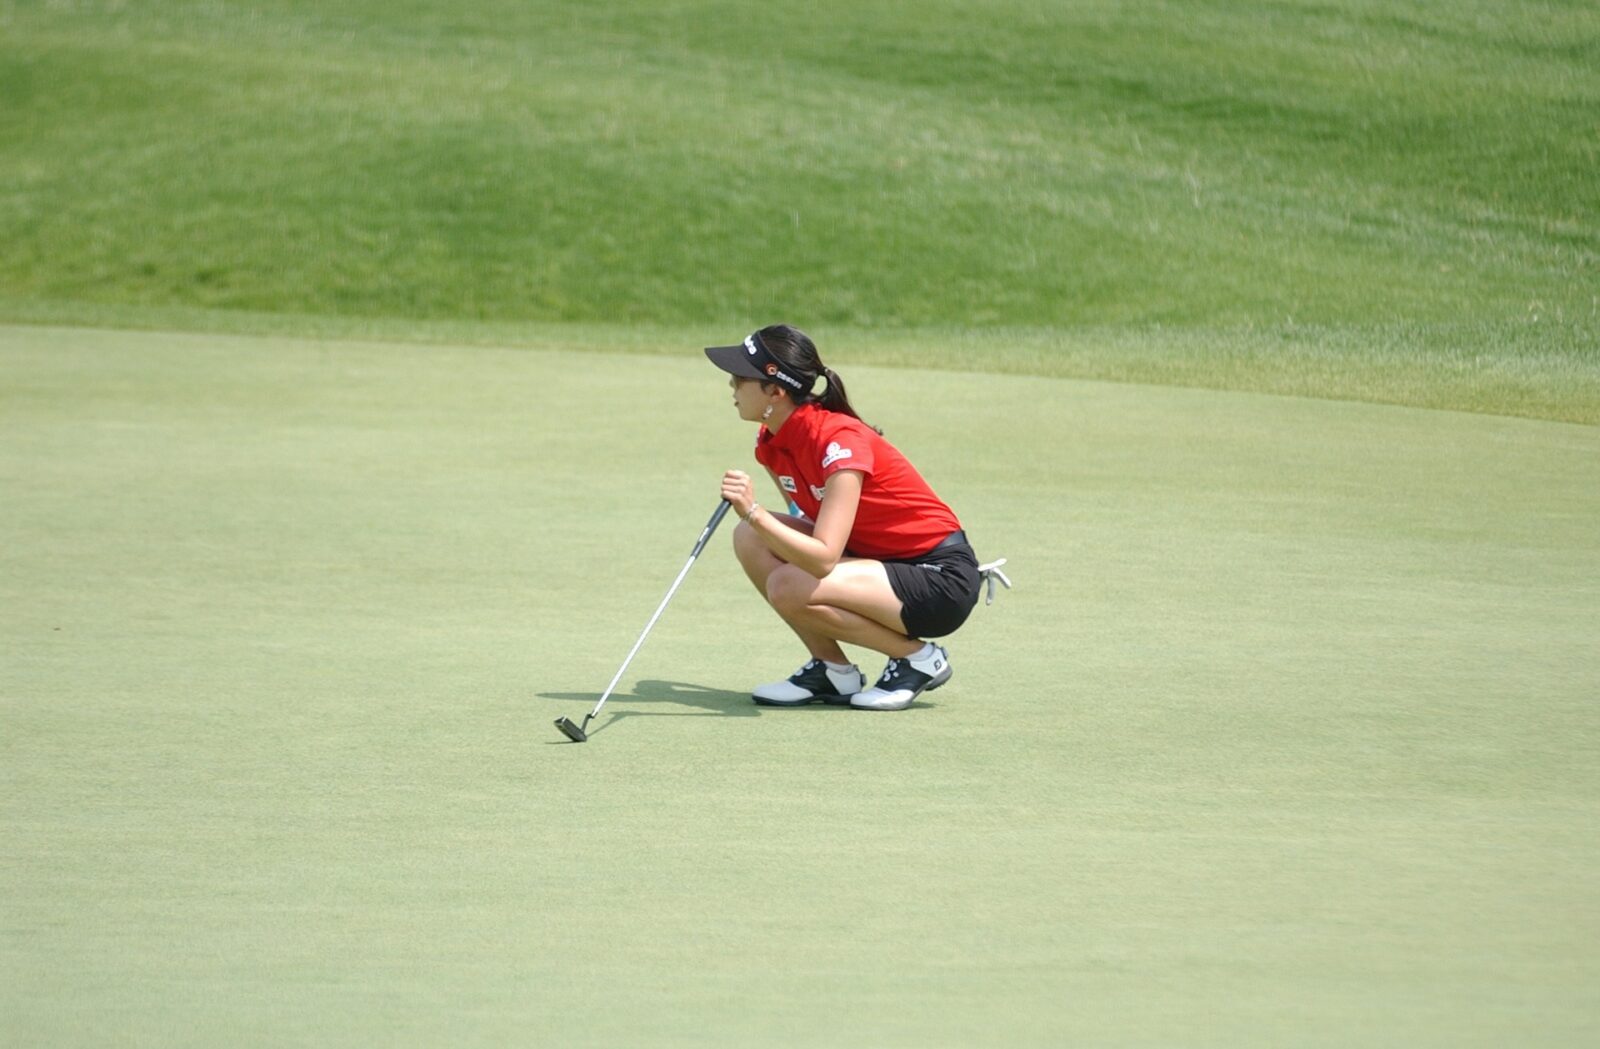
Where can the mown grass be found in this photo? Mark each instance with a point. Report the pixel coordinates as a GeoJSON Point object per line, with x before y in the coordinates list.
{"type": "Point", "coordinates": [1551, 373]}
{"type": "Point", "coordinates": [1286, 735]}
{"type": "Point", "coordinates": [1372, 181]}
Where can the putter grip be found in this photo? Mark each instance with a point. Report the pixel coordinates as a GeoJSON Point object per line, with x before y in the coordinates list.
{"type": "Point", "coordinates": [711, 526]}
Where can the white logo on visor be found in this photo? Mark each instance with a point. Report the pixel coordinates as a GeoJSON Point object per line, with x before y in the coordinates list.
{"type": "Point", "coordinates": [750, 346]}
{"type": "Point", "coordinates": [835, 453]}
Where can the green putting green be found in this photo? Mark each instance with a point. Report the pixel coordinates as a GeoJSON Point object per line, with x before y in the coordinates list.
{"type": "Point", "coordinates": [1286, 736]}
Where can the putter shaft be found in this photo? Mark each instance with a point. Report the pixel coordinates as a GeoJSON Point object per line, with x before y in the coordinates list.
{"type": "Point", "coordinates": [700, 544]}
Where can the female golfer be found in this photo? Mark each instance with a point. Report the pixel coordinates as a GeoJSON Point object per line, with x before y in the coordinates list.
{"type": "Point", "coordinates": [875, 560]}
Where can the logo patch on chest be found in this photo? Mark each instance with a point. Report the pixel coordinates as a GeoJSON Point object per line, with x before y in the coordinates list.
{"type": "Point", "coordinates": [788, 484]}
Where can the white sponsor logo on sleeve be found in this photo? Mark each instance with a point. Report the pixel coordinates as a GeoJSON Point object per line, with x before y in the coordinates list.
{"type": "Point", "coordinates": [835, 453]}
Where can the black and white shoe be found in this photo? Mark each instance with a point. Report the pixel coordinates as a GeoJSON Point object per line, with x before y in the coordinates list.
{"type": "Point", "coordinates": [903, 680]}
{"type": "Point", "coordinates": [815, 682]}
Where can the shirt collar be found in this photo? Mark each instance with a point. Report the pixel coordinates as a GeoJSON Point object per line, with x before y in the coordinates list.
{"type": "Point", "coordinates": [794, 430]}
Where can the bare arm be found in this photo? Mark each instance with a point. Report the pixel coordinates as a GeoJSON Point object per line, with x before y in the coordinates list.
{"type": "Point", "coordinates": [819, 552]}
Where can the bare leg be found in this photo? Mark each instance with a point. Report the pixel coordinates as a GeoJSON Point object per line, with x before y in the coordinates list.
{"type": "Point", "coordinates": [759, 563]}
{"type": "Point", "coordinates": [854, 603]}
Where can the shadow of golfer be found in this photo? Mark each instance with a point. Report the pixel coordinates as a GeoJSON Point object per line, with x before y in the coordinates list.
{"type": "Point", "coordinates": [716, 702]}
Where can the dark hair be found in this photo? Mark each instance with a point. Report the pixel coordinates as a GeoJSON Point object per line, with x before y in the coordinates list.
{"type": "Point", "coordinates": [794, 350]}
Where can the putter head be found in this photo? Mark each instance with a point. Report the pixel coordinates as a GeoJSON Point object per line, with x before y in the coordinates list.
{"type": "Point", "coordinates": [570, 729]}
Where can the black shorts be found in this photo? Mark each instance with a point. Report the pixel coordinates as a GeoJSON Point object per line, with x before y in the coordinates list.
{"type": "Point", "coordinates": [939, 589]}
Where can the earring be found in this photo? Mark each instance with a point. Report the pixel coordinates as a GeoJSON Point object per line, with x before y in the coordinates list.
{"type": "Point", "coordinates": [768, 413]}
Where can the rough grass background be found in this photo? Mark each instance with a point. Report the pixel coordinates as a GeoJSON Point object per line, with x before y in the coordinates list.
{"type": "Point", "coordinates": [1409, 184]}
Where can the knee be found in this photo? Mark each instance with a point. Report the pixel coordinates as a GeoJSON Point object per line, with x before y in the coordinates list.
{"type": "Point", "coordinates": [746, 543]}
{"type": "Point", "coordinates": [789, 588]}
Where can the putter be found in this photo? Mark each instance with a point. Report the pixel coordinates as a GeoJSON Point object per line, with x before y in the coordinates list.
{"type": "Point", "coordinates": [580, 733]}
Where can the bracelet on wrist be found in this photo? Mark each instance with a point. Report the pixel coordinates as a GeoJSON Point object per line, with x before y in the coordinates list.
{"type": "Point", "coordinates": [753, 508]}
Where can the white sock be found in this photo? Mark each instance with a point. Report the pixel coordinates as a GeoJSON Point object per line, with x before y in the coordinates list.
{"type": "Point", "coordinates": [925, 653]}
{"type": "Point", "coordinates": [839, 668]}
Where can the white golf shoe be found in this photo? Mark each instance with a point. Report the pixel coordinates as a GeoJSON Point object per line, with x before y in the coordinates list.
{"type": "Point", "coordinates": [905, 679]}
{"type": "Point", "coordinates": [816, 682]}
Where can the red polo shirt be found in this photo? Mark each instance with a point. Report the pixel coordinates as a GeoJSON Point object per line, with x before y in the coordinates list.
{"type": "Point", "coordinates": [899, 516]}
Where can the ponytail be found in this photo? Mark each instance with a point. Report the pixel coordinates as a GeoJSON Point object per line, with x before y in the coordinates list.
{"type": "Point", "coordinates": [835, 399]}
{"type": "Point", "coordinates": [797, 354]}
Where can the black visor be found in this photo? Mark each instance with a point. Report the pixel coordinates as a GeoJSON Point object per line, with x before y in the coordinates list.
{"type": "Point", "coordinates": [750, 360]}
